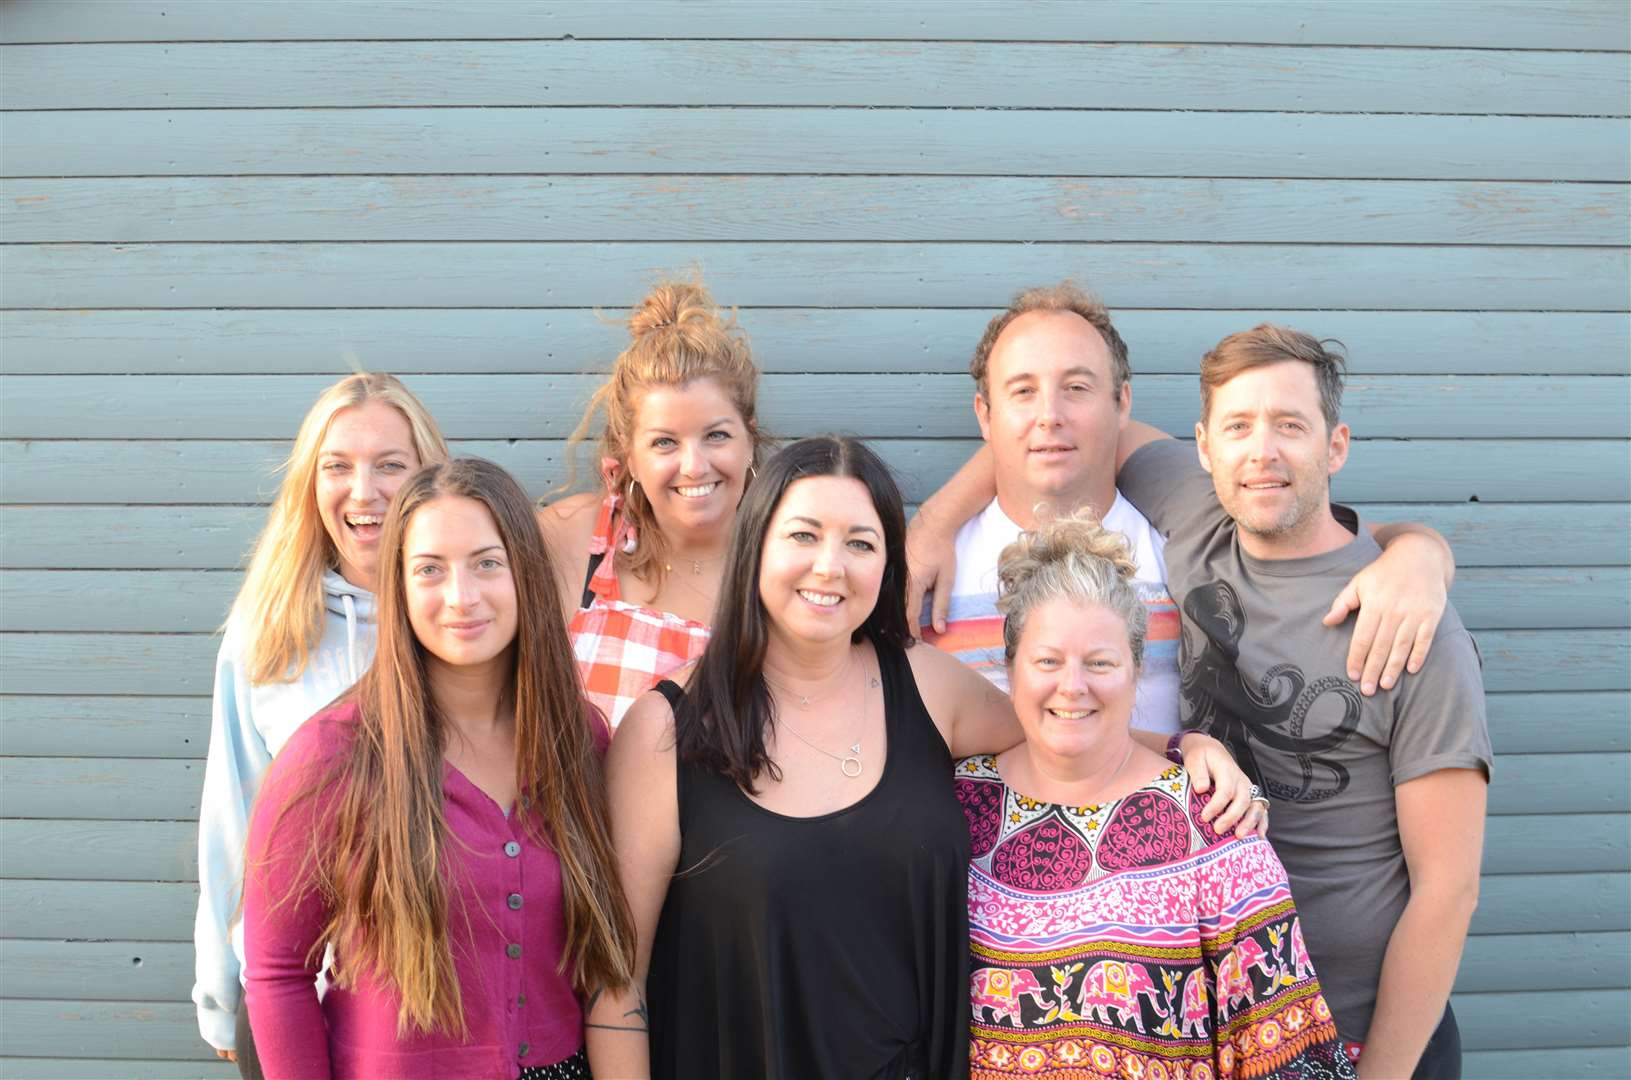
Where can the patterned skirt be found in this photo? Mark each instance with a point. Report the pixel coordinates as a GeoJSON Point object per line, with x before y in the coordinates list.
{"type": "Point", "coordinates": [575, 1067]}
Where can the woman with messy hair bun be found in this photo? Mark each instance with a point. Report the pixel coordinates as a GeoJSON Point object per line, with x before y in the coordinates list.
{"type": "Point", "coordinates": [1108, 920]}
{"type": "Point", "coordinates": [640, 560]}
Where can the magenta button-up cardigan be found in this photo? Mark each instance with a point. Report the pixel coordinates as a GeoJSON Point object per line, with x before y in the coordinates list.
{"type": "Point", "coordinates": [520, 1012]}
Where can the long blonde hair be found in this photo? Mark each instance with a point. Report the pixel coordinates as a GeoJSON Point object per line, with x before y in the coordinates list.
{"type": "Point", "coordinates": [381, 849]}
{"type": "Point", "coordinates": [676, 336]}
{"type": "Point", "coordinates": [280, 605]}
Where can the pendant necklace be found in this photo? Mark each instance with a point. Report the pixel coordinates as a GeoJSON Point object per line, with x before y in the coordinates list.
{"type": "Point", "coordinates": [849, 764]}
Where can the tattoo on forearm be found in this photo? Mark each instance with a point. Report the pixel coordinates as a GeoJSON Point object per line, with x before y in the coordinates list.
{"type": "Point", "coordinates": [639, 1018]}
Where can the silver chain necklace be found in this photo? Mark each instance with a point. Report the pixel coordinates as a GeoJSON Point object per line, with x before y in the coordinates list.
{"type": "Point", "coordinates": [849, 764]}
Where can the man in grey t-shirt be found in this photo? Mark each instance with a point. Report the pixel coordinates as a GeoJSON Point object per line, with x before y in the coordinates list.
{"type": "Point", "coordinates": [1378, 801]}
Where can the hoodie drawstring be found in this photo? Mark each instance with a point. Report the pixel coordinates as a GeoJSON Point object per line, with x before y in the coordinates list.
{"type": "Point", "coordinates": [351, 635]}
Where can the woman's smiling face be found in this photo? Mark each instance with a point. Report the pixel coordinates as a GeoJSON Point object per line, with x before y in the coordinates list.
{"type": "Point", "coordinates": [690, 454]}
{"type": "Point", "coordinates": [1072, 677]}
{"type": "Point", "coordinates": [366, 454]}
{"type": "Point", "coordinates": [822, 563]}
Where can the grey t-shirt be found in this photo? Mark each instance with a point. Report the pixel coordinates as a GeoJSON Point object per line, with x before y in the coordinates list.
{"type": "Point", "coordinates": [1259, 671]}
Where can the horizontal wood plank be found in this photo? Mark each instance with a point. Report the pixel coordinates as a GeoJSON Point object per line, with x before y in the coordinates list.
{"type": "Point", "coordinates": [1535, 24]}
{"type": "Point", "coordinates": [1551, 903]}
{"type": "Point", "coordinates": [1038, 142]}
{"type": "Point", "coordinates": [1577, 1063]}
{"type": "Point", "coordinates": [101, 850]}
{"type": "Point", "coordinates": [157, 789]}
{"type": "Point", "coordinates": [60, 1068]}
{"type": "Point", "coordinates": [163, 971]}
{"type": "Point", "coordinates": [74, 472]}
{"type": "Point", "coordinates": [96, 970]}
{"type": "Point", "coordinates": [159, 601]}
{"type": "Point", "coordinates": [589, 208]}
{"type": "Point", "coordinates": [818, 340]}
{"type": "Point", "coordinates": [828, 74]}
{"type": "Point", "coordinates": [1518, 1021]}
{"type": "Point", "coordinates": [819, 273]}
{"type": "Point", "coordinates": [1533, 535]}
{"type": "Point", "coordinates": [163, 911]}
{"type": "Point", "coordinates": [792, 406]}
{"type": "Point", "coordinates": [72, 850]}
{"type": "Point", "coordinates": [169, 1030]}
{"type": "Point", "coordinates": [182, 664]}
{"type": "Point", "coordinates": [1554, 723]}
{"type": "Point", "coordinates": [109, 726]}
{"type": "Point", "coordinates": [101, 789]}
{"type": "Point", "coordinates": [1515, 962]}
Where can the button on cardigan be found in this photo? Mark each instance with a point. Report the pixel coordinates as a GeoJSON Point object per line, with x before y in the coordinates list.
{"type": "Point", "coordinates": [506, 925]}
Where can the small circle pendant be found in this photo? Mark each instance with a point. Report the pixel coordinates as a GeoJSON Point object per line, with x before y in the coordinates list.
{"type": "Point", "coordinates": [851, 767]}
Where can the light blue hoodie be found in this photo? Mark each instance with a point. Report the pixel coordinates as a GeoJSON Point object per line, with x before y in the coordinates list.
{"type": "Point", "coordinates": [248, 726]}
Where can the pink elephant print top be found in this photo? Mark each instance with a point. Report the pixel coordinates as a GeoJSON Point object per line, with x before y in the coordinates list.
{"type": "Point", "coordinates": [1130, 939]}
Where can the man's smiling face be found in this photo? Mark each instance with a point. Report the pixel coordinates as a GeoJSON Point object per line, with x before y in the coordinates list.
{"type": "Point", "coordinates": [1051, 413]}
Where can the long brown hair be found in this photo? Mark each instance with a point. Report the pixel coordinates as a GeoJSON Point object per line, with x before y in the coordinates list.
{"type": "Point", "coordinates": [676, 336]}
{"type": "Point", "coordinates": [382, 857]}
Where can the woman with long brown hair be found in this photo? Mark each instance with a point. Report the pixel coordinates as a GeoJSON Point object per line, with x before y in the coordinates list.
{"type": "Point", "coordinates": [443, 827]}
{"type": "Point", "coordinates": [641, 558]}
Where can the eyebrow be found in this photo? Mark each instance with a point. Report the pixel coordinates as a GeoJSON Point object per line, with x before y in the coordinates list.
{"type": "Point", "coordinates": [1077, 372]}
{"type": "Point", "coordinates": [817, 524]}
{"type": "Point", "coordinates": [387, 452]}
{"type": "Point", "coordinates": [436, 555]}
{"type": "Point", "coordinates": [721, 422]}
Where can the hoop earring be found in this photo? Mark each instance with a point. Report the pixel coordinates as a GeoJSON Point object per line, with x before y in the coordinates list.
{"type": "Point", "coordinates": [753, 473]}
{"type": "Point", "coordinates": [628, 495]}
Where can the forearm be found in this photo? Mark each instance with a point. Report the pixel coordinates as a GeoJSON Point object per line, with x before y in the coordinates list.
{"type": "Point", "coordinates": [1417, 973]}
{"type": "Point", "coordinates": [617, 1034]}
{"type": "Point", "coordinates": [963, 496]}
{"type": "Point", "coordinates": [1389, 533]}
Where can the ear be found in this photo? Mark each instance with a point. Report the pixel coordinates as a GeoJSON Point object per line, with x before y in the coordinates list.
{"type": "Point", "coordinates": [1338, 455]}
{"type": "Point", "coordinates": [982, 413]}
{"type": "Point", "coordinates": [611, 470]}
{"type": "Point", "coordinates": [1124, 407]}
{"type": "Point", "coordinates": [1202, 451]}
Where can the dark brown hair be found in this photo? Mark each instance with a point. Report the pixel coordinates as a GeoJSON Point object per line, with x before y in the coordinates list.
{"type": "Point", "coordinates": [381, 852]}
{"type": "Point", "coordinates": [1065, 297]}
{"type": "Point", "coordinates": [721, 722]}
{"type": "Point", "coordinates": [1266, 344]}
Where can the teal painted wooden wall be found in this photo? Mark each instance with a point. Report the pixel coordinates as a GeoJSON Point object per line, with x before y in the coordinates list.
{"type": "Point", "coordinates": [206, 208]}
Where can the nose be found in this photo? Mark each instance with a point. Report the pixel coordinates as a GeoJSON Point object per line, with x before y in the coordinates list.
{"type": "Point", "coordinates": [461, 592]}
{"type": "Point", "coordinates": [362, 485]}
{"type": "Point", "coordinates": [1073, 679]}
{"type": "Point", "coordinates": [1047, 408]}
{"type": "Point", "coordinates": [829, 562]}
{"type": "Point", "coordinates": [692, 461]}
{"type": "Point", "coordinates": [1264, 445]}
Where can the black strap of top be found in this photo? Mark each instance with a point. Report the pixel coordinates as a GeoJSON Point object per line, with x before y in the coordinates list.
{"type": "Point", "coordinates": [671, 691]}
{"type": "Point", "coordinates": [588, 580]}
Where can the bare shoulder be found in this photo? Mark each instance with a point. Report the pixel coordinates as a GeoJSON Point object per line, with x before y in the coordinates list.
{"type": "Point", "coordinates": [646, 731]}
{"type": "Point", "coordinates": [570, 521]}
{"type": "Point", "coordinates": [943, 681]}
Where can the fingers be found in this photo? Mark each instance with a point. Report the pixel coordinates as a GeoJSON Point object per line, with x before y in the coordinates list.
{"type": "Point", "coordinates": [1404, 642]}
{"type": "Point", "coordinates": [1382, 643]}
{"type": "Point", "coordinates": [1359, 646]}
{"type": "Point", "coordinates": [941, 610]}
{"type": "Point", "coordinates": [1255, 821]}
{"type": "Point", "coordinates": [1424, 642]}
{"type": "Point", "coordinates": [1346, 601]}
{"type": "Point", "coordinates": [1200, 779]}
{"type": "Point", "coordinates": [1239, 801]}
{"type": "Point", "coordinates": [914, 603]}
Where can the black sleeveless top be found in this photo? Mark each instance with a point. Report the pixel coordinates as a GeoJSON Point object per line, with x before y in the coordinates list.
{"type": "Point", "coordinates": [831, 946]}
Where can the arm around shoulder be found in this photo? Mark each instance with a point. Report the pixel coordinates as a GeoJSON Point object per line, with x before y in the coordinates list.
{"type": "Point", "coordinates": [974, 716]}
{"type": "Point", "coordinates": [642, 789]}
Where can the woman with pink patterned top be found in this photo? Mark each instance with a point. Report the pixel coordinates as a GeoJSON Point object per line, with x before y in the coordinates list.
{"type": "Point", "coordinates": [1113, 931]}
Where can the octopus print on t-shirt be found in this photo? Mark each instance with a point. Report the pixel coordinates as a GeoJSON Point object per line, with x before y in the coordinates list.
{"type": "Point", "coordinates": [1130, 939]}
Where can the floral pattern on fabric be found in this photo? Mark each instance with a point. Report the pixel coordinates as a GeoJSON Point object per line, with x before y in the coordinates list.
{"type": "Point", "coordinates": [1130, 940]}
